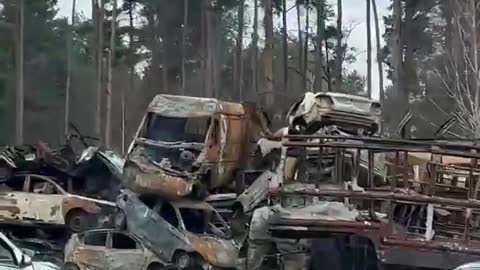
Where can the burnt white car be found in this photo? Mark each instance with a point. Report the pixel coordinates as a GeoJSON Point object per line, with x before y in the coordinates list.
{"type": "Point", "coordinates": [349, 112]}
{"type": "Point", "coordinates": [189, 234]}
{"type": "Point", "coordinates": [37, 199]}
{"type": "Point", "coordinates": [11, 257]}
{"type": "Point", "coordinates": [469, 266]}
{"type": "Point", "coordinates": [110, 249]}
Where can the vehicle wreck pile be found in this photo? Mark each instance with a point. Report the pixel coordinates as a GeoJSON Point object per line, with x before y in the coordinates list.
{"type": "Point", "coordinates": [206, 185]}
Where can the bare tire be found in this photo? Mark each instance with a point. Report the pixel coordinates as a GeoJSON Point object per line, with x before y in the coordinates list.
{"type": "Point", "coordinates": [77, 220]}
{"type": "Point", "coordinates": [182, 260]}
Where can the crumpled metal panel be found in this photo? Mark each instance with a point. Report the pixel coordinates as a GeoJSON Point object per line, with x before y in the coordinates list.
{"type": "Point", "coordinates": [141, 175]}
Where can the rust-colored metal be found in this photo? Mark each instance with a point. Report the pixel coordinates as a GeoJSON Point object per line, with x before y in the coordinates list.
{"type": "Point", "coordinates": [379, 195]}
{"type": "Point", "coordinates": [72, 202]}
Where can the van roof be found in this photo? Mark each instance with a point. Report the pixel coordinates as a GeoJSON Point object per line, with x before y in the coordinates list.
{"type": "Point", "coordinates": [185, 106]}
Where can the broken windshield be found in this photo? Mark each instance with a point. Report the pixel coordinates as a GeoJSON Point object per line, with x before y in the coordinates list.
{"type": "Point", "coordinates": [176, 129]}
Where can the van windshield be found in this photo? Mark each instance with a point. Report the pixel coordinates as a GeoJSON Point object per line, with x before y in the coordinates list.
{"type": "Point", "coordinates": [176, 129]}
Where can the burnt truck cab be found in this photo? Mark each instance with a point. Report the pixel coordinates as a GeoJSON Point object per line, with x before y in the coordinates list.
{"type": "Point", "coordinates": [188, 145]}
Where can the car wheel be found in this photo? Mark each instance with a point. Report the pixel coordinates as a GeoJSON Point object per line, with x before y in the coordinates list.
{"type": "Point", "coordinates": [182, 260]}
{"type": "Point", "coordinates": [77, 220]}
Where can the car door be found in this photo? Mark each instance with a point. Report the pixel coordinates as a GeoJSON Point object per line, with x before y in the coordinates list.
{"type": "Point", "coordinates": [92, 253]}
{"type": "Point", "coordinates": [124, 252]}
{"type": "Point", "coordinates": [168, 235]}
{"type": "Point", "coordinates": [45, 200]}
{"type": "Point", "coordinates": [13, 203]}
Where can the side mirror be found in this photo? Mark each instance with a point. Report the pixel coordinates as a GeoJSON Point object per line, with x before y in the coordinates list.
{"type": "Point", "coordinates": [26, 260]}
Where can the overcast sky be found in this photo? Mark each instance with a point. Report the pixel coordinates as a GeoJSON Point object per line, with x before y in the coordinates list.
{"type": "Point", "coordinates": [354, 13]}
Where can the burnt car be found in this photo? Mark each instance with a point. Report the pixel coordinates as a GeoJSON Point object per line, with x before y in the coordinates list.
{"type": "Point", "coordinates": [12, 257]}
{"type": "Point", "coordinates": [190, 234]}
{"type": "Point", "coordinates": [110, 249]}
{"type": "Point", "coordinates": [188, 146]}
{"type": "Point", "coordinates": [469, 266]}
{"type": "Point", "coordinates": [349, 112]}
{"type": "Point", "coordinates": [39, 200]}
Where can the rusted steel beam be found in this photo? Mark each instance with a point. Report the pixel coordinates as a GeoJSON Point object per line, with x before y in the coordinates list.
{"type": "Point", "coordinates": [431, 245]}
{"type": "Point", "coordinates": [379, 195]}
{"type": "Point", "coordinates": [326, 223]}
{"type": "Point", "coordinates": [387, 148]}
{"type": "Point", "coordinates": [445, 144]}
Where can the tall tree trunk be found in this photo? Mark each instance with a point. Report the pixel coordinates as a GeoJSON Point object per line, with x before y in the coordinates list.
{"type": "Point", "coordinates": [19, 63]}
{"type": "Point", "coordinates": [339, 48]}
{"type": "Point", "coordinates": [111, 59]}
{"type": "Point", "coordinates": [69, 71]}
{"type": "Point", "coordinates": [300, 39]}
{"type": "Point", "coordinates": [409, 70]}
{"type": "Point", "coordinates": [328, 71]}
{"type": "Point", "coordinates": [238, 74]}
{"type": "Point", "coordinates": [369, 51]}
{"type": "Point", "coordinates": [379, 52]}
{"type": "Point", "coordinates": [397, 55]}
{"type": "Point", "coordinates": [268, 54]}
{"type": "Point", "coordinates": [203, 45]}
{"type": "Point", "coordinates": [130, 77]}
{"type": "Point", "coordinates": [255, 48]}
{"type": "Point", "coordinates": [285, 46]}
{"type": "Point", "coordinates": [184, 45]}
{"type": "Point", "coordinates": [165, 40]}
{"type": "Point", "coordinates": [305, 45]}
{"type": "Point", "coordinates": [210, 41]}
{"type": "Point", "coordinates": [319, 71]}
{"type": "Point", "coordinates": [99, 76]}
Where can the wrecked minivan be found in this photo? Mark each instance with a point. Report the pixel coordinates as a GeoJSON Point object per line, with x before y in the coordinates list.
{"type": "Point", "coordinates": [188, 145]}
{"type": "Point", "coordinates": [189, 234]}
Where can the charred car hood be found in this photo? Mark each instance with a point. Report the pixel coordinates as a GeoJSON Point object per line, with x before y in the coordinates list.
{"type": "Point", "coordinates": [216, 251]}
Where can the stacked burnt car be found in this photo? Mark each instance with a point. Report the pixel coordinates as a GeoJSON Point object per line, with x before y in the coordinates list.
{"type": "Point", "coordinates": [46, 193]}
{"type": "Point", "coordinates": [186, 153]}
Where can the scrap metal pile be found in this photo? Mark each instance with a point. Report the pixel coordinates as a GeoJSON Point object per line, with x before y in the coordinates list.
{"type": "Point", "coordinates": [206, 185]}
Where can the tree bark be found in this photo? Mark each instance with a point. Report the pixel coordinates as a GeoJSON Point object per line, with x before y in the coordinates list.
{"type": "Point", "coordinates": [379, 52]}
{"type": "Point", "coordinates": [305, 45]}
{"type": "Point", "coordinates": [19, 63]}
{"type": "Point", "coordinates": [130, 77]}
{"type": "Point", "coordinates": [99, 76]}
{"type": "Point", "coordinates": [165, 40]}
{"type": "Point", "coordinates": [285, 46]}
{"type": "Point", "coordinates": [209, 73]}
{"type": "Point", "coordinates": [255, 48]}
{"type": "Point", "coordinates": [339, 48]}
{"type": "Point", "coordinates": [300, 40]}
{"type": "Point", "coordinates": [184, 46]}
{"type": "Point", "coordinates": [369, 51]}
{"type": "Point", "coordinates": [238, 74]}
{"type": "Point", "coordinates": [108, 117]}
{"type": "Point", "coordinates": [319, 71]}
{"type": "Point", "coordinates": [69, 71]}
{"type": "Point", "coordinates": [268, 54]}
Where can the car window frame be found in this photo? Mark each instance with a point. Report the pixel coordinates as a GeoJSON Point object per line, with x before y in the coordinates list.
{"type": "Point", "coordinates": [92, 232]}
{"type": "Point", "coordinates": [28, 181]}
{"type": "Point", "coordinates": [138, 245]}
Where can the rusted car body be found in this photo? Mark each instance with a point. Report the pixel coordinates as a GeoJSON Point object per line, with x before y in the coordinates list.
{"type": "Point", "coordinates": [187, 145]}
{"type": "Point", "coordinates": [413, 220]}
{"type": "Point", "coordinates": [187, 233]}
{"type": "Point", "coordinates": [110, 249]}
{"type": "Point", "coordinates": [37, 199]}
{"type": "Point", "coordinates": [350, 112]}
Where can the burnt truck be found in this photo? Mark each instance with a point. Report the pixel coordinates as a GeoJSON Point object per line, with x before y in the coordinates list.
{"type": "Point", "coordinates": [187, 146]}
